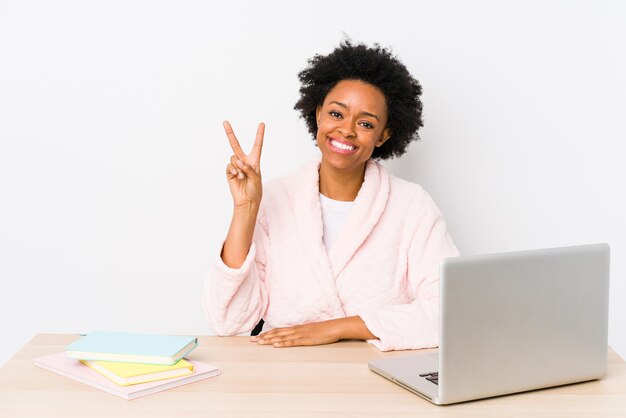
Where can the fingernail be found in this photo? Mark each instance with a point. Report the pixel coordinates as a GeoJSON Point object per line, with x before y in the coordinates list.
{"type": "Point", "coordinates": [261, 341]}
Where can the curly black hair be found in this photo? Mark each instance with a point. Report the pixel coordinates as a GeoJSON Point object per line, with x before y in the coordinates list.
{"type": "Point", "coordinates": [378, 67]}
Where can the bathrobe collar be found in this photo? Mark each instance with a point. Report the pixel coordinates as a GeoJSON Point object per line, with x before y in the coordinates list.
{"type": "Point", "coordinates": [367, 210]}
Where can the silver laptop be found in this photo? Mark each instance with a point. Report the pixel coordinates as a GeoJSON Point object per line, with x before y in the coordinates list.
{"type": "Point", "coordinates": [512, 322]}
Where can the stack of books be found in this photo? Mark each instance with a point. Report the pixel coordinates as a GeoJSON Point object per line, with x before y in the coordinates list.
{"type": "Point", "coordinates": [129, 365]}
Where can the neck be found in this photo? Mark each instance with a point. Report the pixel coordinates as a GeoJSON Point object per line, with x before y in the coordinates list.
{"type": "Point", "coordinates": [341, 184]}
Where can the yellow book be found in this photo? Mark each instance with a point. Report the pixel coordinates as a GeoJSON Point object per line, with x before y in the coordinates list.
{"type": "Point", "coordinates": [125, 374]}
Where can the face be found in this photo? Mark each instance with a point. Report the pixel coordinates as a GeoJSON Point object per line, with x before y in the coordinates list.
{"type": "Point", "coordinates": [350, 124]}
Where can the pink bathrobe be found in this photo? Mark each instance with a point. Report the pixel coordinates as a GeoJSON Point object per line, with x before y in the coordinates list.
{"type": "Point", "coordinates": [383, 265]}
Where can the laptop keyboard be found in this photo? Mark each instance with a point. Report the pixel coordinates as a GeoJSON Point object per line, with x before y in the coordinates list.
{"type": "Point", "coordinates": [431, 377]}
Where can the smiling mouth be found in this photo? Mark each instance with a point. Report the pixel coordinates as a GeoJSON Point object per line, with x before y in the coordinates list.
{"type": "Point", "coordinates": [341, 146]}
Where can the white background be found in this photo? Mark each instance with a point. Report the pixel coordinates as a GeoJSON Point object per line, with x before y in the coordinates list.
{"type": "Point", "coordinates": [112, 154]}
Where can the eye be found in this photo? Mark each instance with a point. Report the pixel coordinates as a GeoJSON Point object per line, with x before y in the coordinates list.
{"type": "Point", "coordinates": [334, 114]}
{"type": "Point", "coordinates": [367, 125]}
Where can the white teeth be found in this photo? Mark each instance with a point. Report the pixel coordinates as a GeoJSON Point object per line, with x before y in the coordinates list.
{"type": "Point", "coordinates": [342, 146]}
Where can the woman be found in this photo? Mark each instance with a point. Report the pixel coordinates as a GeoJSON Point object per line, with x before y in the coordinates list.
{"type": "Point", "coordinates": [340, 249]}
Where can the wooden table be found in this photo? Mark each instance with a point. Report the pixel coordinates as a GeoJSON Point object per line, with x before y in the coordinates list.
{"type": "Point", "coordinates": [261, 381]}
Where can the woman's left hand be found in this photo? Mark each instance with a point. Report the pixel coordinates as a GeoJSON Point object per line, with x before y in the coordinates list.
{"type": "Point", "coordinates": [315, 333]}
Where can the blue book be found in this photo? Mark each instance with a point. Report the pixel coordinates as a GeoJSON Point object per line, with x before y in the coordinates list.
{"type": "Point", "coordinates": [131, 348]}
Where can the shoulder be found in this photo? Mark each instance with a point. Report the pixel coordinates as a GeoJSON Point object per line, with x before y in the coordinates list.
{"type": "Point", "coordinates": [423, 220]}
{"type": "Point", "coordinates": [289, 186]}
{"type": "Point", "coordinates": [291, 180]}
{"type": "Point", "coordinates": [410, 194]}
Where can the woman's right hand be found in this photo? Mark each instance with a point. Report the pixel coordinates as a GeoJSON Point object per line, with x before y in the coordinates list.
{"type": "Point", "coordinates": [244, 170]}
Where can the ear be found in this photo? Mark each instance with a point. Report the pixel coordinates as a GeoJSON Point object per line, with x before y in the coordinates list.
{"type": "Point", "coordinates": [318, 112]}
{"type": "Point", "coordinates": [384, 137]}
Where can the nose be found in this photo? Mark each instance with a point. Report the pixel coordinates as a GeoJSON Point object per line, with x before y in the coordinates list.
{"type": "Point", "coordinates": [346, 128]}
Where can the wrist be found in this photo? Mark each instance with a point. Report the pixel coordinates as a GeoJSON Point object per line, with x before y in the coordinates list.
{"type": "Point", "coordinates": [247, 208]}
{"type": "Point", "coordinates": [354, 328]}
{"type": "Point", "coordinates": [246, 214]}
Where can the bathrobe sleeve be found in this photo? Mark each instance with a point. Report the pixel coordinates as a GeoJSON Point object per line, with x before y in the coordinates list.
{"type": "Point", "coordinates": [234, 300]}
{"type": "Point", "coordinates": [416, 325]}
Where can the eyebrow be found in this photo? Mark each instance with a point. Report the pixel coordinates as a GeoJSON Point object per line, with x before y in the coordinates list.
{"type": "Point", "coordinates": [345, 106]}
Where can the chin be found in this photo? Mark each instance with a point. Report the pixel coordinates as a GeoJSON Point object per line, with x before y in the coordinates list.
{"type": "Point", "coordinates": [338, 163]}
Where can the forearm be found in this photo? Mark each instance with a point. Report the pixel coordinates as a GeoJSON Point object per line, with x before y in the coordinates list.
{"type": "Point", "coordinates": [234, 299]}
{"type": "Point", "coordinates": [239, 238]}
